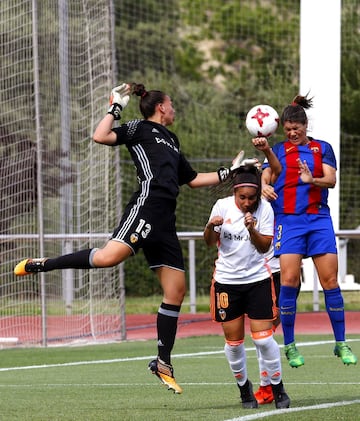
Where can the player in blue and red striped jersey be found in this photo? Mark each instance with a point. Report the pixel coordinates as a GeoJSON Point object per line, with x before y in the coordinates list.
{"type": "Point", "coordinates": [303, 225]}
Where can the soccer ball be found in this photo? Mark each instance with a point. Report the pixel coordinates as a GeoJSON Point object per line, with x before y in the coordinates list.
{"type": "Point", "coordinates": [262, 120]}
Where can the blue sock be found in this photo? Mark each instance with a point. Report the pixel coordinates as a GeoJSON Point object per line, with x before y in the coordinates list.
{"type": "Point", "coordinates": [335, 308]}
{"type": "Point", "coordinates": [287, 301]}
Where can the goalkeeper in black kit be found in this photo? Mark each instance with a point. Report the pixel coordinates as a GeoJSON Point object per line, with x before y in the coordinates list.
{"type": "Point", "coordinates": [148, 221]}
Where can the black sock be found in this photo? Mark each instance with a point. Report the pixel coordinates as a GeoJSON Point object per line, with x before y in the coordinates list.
{"type": "Point", "coordinates": [77, 260]}
{"type": "Point", "coordinates": [167, 319]}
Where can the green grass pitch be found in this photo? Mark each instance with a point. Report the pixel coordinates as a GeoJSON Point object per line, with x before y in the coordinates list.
{"type": "Point", "coordinates": [111, 382]}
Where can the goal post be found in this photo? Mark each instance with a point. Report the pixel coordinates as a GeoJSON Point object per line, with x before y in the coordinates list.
{"type": "Point", "coordinates": [56, 76]}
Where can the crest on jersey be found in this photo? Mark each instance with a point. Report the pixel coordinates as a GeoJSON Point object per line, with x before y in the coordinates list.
{"type": "Point", "coordinates": [222, 314]}
{"type": "Point", "coordinates": [134, 238]}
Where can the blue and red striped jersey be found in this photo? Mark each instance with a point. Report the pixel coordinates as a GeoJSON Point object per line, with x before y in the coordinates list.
{"type": "Point", "coordinates": [294, 196]}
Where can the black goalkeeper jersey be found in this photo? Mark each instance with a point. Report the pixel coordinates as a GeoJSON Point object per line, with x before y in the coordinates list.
{"type": "Point", "coordinates": [161, 167]}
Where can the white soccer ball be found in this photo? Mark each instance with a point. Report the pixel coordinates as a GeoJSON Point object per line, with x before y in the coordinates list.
{"type": "Point", "coordinates": [262, 120]}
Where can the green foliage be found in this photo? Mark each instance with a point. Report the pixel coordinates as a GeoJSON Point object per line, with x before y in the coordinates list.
{"type": "Point", "coordinates": [254, 66]}
{"type": "Point", "coordinates": [227, 56]}
{"type": "Point", "coordinates": [188, 60]}
{"type": "Point", "coordinates": [215, 58]}
{"type": "Point", "coordinates": [350, 126]}
{"type": "Point", "coordinates": [350, 56]}
{"type": "Point", "coordinates": [134, 35]}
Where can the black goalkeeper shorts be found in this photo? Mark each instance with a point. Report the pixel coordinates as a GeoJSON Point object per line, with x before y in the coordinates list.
{"type": "Point", "coordinates": [153, 230]}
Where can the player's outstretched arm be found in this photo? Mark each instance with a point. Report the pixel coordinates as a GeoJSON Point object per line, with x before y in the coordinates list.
{"type": "Point", "coordinates": [220, 176]}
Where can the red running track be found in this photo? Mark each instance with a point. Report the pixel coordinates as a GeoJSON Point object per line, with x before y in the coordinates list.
{"type": "Point", "coordinates": [28, 329]}
{"type": "Point", "coordinates": [143, 326]}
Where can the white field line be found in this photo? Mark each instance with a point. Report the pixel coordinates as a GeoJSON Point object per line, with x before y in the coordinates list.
{"type": "Point", "coordinates": [129, 359]}
{"type": "Point", "coordinates": [276, 412]}
{"type": "Point", "coordinates": [252, 417]}
{"type": "Point", "coordinates": [257, 416]}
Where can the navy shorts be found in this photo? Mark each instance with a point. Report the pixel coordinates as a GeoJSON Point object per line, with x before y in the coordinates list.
{"type": "Point", "coordinates": [305, 234]}
{"type": "Point", "coordinates": [151, 228]}
{"type": "Point", "coordinates": [257, 300]}
{"type": "Point", "coordinates": [276, 280]}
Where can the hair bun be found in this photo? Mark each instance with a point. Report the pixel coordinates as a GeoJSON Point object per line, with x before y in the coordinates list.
{"type": "Point", "coordinates": [138, 89]}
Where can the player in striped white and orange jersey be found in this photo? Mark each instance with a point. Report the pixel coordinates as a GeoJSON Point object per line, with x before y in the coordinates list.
{"type": "Point", "coordinates": [242, 228]}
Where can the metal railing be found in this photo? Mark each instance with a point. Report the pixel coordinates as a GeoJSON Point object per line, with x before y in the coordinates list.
{"type": "Point", "coordinates": [190, 237]}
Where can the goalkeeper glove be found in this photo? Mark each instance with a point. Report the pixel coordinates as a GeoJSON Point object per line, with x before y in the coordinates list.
{"type": "Point", "coordinates": [225, 173]}
{"type": "Point", "coordinates": [119, 99]}
{"type": "Point", "coordinates": [251, 161]}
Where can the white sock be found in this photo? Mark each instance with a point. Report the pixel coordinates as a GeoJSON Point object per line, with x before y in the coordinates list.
{"type": "Point", "coordinates": [236, 356]}
{"type": "Point", "coordinates": [264, 378]}
{"type": "Point", "coordinates": [270, 367]}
